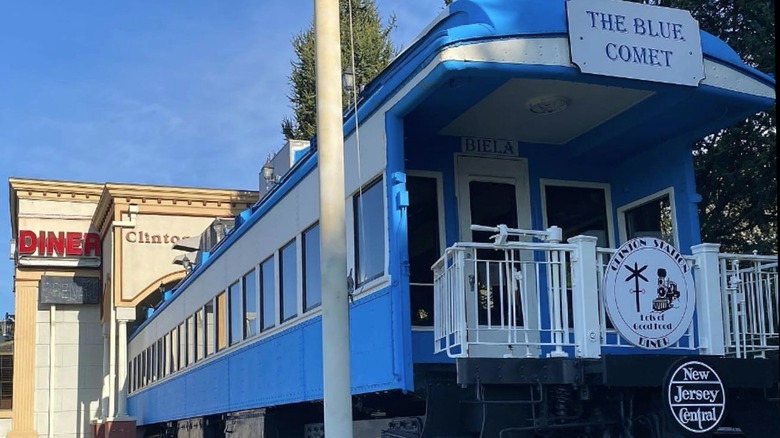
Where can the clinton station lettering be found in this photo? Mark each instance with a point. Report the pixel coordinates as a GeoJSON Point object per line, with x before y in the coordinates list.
{"type": "Point", "coordinates": [153, 239]}
{"type": "Point", "coordinates": [59, 243]}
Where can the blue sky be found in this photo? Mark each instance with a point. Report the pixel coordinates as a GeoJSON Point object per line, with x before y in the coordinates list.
{"type": "Point", "coordinates": [178, 92]}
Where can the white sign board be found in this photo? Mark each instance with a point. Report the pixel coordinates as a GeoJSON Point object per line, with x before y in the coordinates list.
{"type": "Point", "coordinates": [649, 293]}
{"type": "Point", "coordinates": [636, 41]}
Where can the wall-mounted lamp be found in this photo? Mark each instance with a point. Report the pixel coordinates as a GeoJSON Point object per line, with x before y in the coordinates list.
{"type": "Point", "coordinates": [186, 263]}
{"type": "Point", "coordinates": [269, 175]}
{"type": "Point", "coordinates": [348, 78]}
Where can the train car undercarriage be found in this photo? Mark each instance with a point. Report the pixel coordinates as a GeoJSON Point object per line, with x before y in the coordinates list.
{"type": "Point", "coordinates": [615, 396]}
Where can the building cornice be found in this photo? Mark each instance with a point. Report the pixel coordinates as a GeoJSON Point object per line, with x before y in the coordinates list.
{"type": "Point", "coordinates": [57, 190]}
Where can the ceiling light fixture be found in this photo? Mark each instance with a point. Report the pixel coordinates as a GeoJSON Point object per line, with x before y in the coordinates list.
{"type": "Point", "coordinates": [548, 104]}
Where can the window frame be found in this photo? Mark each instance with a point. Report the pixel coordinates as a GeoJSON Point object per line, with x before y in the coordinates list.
{"type": "Point", "coordinates": [280, 275]}
{"type": "Point", "coordinates": [273, 259]}
{"type": "Point", "coordinates": [545, 182]}
{"type": "Point", "coordinates": [622, 210]}
{"type": "Point", "coordinates": [303, 271]}
{"type": "Point", "coordinates": [378, 181]}
{"type": "Point", "coordinates": [230, 339]}
{"type": "Point", "coordinates": [254, 292]}
{"type": "Point", "coordinates": [439, 179]}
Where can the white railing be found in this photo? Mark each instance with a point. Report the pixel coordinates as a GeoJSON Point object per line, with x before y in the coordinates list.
{"type": "Point", "coordinates": [488, 296]}
{"type": "Point", "coordinates": [749, 290]}
{"type": "Point", "coordinates": [518, 298]}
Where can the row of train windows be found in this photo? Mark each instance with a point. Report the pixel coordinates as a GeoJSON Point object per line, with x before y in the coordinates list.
{"type": "Point", "coordinates": [264, 297]}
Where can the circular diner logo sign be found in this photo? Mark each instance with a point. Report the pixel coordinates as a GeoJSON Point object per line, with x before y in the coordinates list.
{"type": "Point", "coordinates": [649, 293]}
{"type": "Point", "coordinates": [695, 396]}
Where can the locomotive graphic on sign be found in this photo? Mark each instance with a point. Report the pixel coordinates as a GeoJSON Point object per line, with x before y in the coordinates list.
{"type": "Point", "coordinates": [649, 320]}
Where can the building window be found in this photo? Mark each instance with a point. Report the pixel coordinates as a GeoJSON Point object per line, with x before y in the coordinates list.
{"type": "Point", "coordinates": [650, 219]}
{"type": "Point", "coordinates": [578, 210]}
{"type": "Point", "coordinates": [267, 293]}
{"type": "Point", "coordinates": [235, 316]}
{"type": "Point", "coordinates": [288, 281]}
{"type": "Point", "coordinates": [250, 304]}
{"type": "Point", "coordinates": [210, 333]}
{"type": "Point", "coordinates": [312, 296]}
{"type": "Point", "coordinates": [424, 245]}
{"type": "Point", "coordinates": [369, 217]}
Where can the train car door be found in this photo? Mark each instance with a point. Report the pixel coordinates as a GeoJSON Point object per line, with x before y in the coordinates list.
{"type": "Point", "coordinates": [490, 192]}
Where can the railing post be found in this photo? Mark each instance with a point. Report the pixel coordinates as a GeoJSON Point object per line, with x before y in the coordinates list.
{"type": "Point", "coordinates": [709, 303]}
{"type": "Point", "coordinates": [585, 297]}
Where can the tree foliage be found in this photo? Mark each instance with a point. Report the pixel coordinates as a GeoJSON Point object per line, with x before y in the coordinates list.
{"type": "Point", "coordinates": [373, 50]}
{"type": "Point", "coordinates": [736, 169]}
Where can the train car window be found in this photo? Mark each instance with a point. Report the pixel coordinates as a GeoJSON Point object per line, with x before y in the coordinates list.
{"type": "Point", "coordinates": [651, 219]}
{"type": "Point", "coordinates": [131, 374]}
{"type": "Point", "coordinates": [210, 334]}
{"type": "Point", "coordinates": [249, 294]}
{"type": "Point", "coordinates": [159, 358]}
{"type": "Point", "coordinates": [424, 245]}
{"type": "Point", "coordinates": [182, 346]}
{"type": "Point", "coordinates": [191, 330]}
{"type": "Point", "coordinates": [267, 294]}
{"type": "Point", "coordinates": [578, 211]}
{"type": "Point", "coordinates": [175, 349]}
{"type": "Point", "coordinates": [288, 281]}
{"type": "Point", "coordinates": [235, 315]}
{"type": "Point", "coordinates": [221, 321]}
{"type": "Point", "coordinates": [369, 219]}
{"type": "Point", "coordinates": [312, 296]}
{"type": "Point", "coordinates": [168, 353]}
{"type": "Point", "coordinates": [200, 339]}
{"type": "Point", "coordinates": [144, 373]}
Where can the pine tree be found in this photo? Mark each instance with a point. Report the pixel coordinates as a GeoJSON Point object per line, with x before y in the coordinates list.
{"type": "Point", "coordinates": [736, 169]}
{"type": "Point", "coordinates": [373, 50]}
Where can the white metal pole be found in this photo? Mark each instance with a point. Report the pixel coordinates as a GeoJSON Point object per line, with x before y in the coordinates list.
{"type": "Point", "coordinates": [333, 255]}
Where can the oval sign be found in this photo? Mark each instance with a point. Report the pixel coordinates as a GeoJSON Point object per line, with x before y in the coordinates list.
{"type": "Point", "coordinates": [649, 293]}
{"type": "Point", "coordinates": [695, 396]}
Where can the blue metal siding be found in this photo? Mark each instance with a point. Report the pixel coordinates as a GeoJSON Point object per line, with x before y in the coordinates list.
{"type": "Point", "coordinates": [283, 368]}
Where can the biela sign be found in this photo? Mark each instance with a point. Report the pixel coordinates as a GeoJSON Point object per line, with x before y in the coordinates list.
{"type": "Point", "coordinates": [695, 396]}
{"type": "Point", "coordinates": [636, 41]}
{"type": "Point", "coordinates": [649, 293]}
{"type": "Point", "coordinates": [489, 146]}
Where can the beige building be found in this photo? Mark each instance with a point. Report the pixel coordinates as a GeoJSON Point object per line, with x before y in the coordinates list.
{"type": "Point", "coordinates": [90, 259]}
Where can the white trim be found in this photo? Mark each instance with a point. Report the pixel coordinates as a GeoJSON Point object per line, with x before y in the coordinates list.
{"type": "Point", "coordinates": [556, 51]}
{"type": "Point", "coordinates": [521, 182]}
{"type": "Point", "coordinates": [621, 211]}
{"type": "Point", "coordinates": [544, 182]}
{"type": "Point", "coordinates": [726, 77]}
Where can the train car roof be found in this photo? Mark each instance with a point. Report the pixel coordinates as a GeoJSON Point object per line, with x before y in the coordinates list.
{"type": "Point", "coordinates": [730, 91]}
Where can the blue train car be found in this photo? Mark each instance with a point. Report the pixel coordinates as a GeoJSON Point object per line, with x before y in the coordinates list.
{"type": "Point", "coordinates": [523, 240]}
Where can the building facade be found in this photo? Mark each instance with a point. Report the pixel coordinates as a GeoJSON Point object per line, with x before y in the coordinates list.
{"type": "Point", "coordinates": [91, 261]}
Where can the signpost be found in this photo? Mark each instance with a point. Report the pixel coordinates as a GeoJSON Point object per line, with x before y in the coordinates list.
{"type": "Point", "coordinates": [337, 391]}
